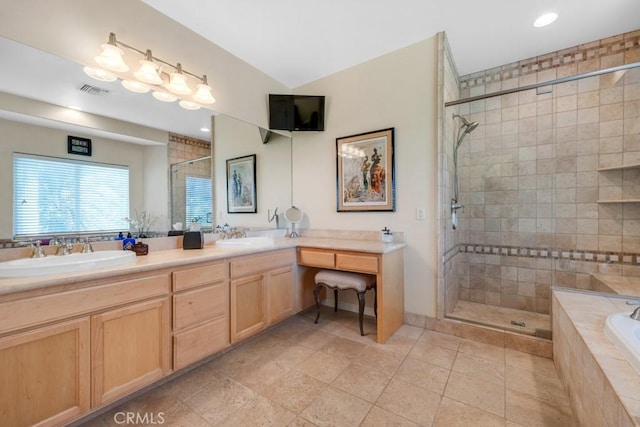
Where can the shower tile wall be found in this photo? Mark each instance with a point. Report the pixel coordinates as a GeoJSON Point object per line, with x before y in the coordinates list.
{"type": "Point", "coordinates": [530, 178]}
{"type": "Point", "coordinates": [183, 148]}
{"type": "Point", "coordinates": [448, 240]}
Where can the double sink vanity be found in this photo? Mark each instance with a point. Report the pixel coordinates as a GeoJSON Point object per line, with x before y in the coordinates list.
{"type": "Point", "coordinates": [72, 343]}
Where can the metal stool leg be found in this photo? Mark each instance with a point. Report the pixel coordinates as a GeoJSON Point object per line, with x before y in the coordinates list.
{"type": "Point", "coordinates": [361, 310]}
{"type": "Point", "coordinates": [316, 296]}
{"type": "Point", "coordinates": [335, 299]}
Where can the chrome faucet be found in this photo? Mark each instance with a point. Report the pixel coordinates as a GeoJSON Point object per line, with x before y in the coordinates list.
{"type": "Point", "coordinates": [64, 248]}
{"type": "Point", "coordinates": [86, 246]}
{"type": "Point", "coordinates": [275, 216]}
{"type": "Point", "coordinates": [636, 314]}
{"type": "Point", "coordinates": [38, 251]}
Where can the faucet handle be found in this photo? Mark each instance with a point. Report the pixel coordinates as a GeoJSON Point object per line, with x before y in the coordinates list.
{"type": "Point", "coordinates": [38, 251]}
{"type": "Point", "coordinates": [86, 246]}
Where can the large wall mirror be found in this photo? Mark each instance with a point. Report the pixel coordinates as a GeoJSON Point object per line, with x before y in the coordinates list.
{"type": "Point", "coordinates": [33, 122]}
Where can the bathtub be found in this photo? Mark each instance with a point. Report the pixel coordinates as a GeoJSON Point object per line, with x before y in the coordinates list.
{"type": "Point", "coordinates": [624, 332]}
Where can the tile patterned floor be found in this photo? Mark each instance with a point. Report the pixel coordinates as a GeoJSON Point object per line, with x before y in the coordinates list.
{"type": "Point", "coordinates": [302, 374]}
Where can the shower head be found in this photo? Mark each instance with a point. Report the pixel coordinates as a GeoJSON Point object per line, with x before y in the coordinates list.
{"type": "Point", "coordinates": [470, 126]}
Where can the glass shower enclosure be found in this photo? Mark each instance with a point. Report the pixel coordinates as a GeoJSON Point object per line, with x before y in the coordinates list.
{"type": "Point", "coordinates": [192, 193]}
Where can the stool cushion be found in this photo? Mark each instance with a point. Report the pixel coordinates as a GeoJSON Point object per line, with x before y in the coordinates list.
{"type": "Point", "coordinates": [345, 280]}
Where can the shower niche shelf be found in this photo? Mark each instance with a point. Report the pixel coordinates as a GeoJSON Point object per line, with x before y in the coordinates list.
{"type": "Point", "coordinates": [619, 168]}
{"type": "Point", "coordinates": [619, 201]}
{"type": "Point", "coordinates": [622, 167]}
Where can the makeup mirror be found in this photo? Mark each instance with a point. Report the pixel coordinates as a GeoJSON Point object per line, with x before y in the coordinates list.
{"type": "Point", "coordinates": [294, 216]}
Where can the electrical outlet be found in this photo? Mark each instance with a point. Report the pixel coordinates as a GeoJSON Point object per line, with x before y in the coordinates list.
{"type": "Point", "coordinates": [420, 214]}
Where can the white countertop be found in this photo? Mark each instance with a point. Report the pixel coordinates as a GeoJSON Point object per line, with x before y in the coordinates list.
{"type": "Point", "coordinates": [176, 257]}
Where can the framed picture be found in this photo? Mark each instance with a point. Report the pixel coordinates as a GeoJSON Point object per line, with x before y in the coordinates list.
{"type": "Point", "coordinates": [366, 172]}
{"type": "Point", "coordinates": [241, 185]}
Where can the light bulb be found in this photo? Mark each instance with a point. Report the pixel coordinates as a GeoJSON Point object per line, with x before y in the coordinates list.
{"type": "Point", "coordinates": [135, 86]}
{"type": "Point", "coordinates": [189, 105]}
{"type": "Point", "coordinates": [178, 83]}
{"type": "Point", "coordinates": [111, 58]}
{"type": "Point", "coordinates": [203, 94]}
{"type": "Point", "coordinates": [164, 96]}
{"type": "Point", "coordinates": [148, 71]}
{"type": "Point", "coordinates": [99, 74]}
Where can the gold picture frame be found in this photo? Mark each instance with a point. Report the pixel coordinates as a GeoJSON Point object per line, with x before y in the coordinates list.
{"type": "Point", "coordinates": [365, 172]}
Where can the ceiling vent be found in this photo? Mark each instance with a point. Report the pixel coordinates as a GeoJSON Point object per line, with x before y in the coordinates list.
{"type": "Point", "coordinates": [93, 90]}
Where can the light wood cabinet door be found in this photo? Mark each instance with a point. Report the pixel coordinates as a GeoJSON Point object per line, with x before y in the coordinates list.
{"type": "Point", "coordinates": [130, 347]}
{"type": "Point", "coordinates": [248, 306]}
{"type": "Point", "coordinates": [280, 294]}
{"type": "Point", "coordinates": [44, 375]}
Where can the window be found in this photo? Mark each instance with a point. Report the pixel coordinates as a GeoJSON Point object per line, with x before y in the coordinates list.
{"type": "Point", "coordinates": [54, 195]}
{"type": "Point", "coordinates": [198, 199]}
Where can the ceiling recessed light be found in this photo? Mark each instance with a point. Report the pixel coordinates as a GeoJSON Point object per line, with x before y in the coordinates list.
{"type": "Point", "coordinates": [205, 129]}
{"type": "Point", "coordinates": [546, 19]}
{"type": "Point", "coordinates": [74, 107]}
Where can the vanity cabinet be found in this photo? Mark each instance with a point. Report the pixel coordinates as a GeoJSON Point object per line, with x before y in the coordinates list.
{"type": "Point", "coordinates": [200, 313]}
{"type": "Point", "coordinates": [261, 291]}
{"type": "Point", "coordinates": [387, 267]}
{"type": "Point", "coordinates": [44, 376]}
{"type": "Point", "coordinates": [66, 352]}
{"type": "Point", "coordinates": [130, 348]}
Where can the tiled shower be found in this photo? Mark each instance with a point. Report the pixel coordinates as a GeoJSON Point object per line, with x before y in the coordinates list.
{"type": "Point", "coordinates": [550, 179]}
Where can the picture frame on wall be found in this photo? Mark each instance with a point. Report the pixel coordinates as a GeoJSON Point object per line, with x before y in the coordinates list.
{"type": "Point", "coordinates": [365, 172]}
{"type": "Point", "coordinates": [241, 185]}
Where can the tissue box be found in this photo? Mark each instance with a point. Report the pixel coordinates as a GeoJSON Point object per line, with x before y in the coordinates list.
{"type": "Point", "coordinates": [193, 240]}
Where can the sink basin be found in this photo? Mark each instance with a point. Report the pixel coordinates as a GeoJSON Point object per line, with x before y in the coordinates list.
{"type": "Point", "coordinates": [30, 267]}
{"type": "Point", "coordinates": [624, 332]}
{"type": "Point", "coordinates": [245, 242]}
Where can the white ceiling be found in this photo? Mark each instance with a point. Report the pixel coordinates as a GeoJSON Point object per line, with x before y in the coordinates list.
{"type": "Point", "coordinates": [298, 41]}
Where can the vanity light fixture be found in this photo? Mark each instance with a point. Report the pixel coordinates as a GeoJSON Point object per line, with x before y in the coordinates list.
{"type": "Point", "coordinates": [203, 129]}
{"type": "Point", "coordinates": [135, 86]}
{"type": "Point", "coordinates": [100, 74]}
{"type": "Point", "coordinates": [148, 71]}
{"type": "Point", "coordinates": [164, 96]}
{"type": "Point", "coordinates": [178, 83]}
{"type": "Point", "coordinates": [149, 76]}
{"type": "Point", "coordinates": [203, 93]}
{"type": "Point", "coordinates": [189, 105]}
{"type": "Point", "coordinates": [546, 19]}
{"type": "Point", "coordinates": [111, 56]}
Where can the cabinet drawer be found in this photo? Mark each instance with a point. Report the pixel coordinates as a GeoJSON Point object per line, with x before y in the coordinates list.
{"type": "Point", "coordinates": [193, 277]}
{"type": "Point", "coordinates": [259, 263]}
{"type": "Point", "coordinates": [202, 341]}
{"type": "Point", "coordinates": [316, 258]}
{"type": "Point", "coordinates": [33, 311]}
{"type": "Point", "coordinates": [357, 262]}
{"type": "Point", "coordinates": [196, 306]}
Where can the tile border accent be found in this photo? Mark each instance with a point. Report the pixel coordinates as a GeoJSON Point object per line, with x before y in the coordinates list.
{"type": "Point", "coordinates": [571, 56]}
{"type": "Point", "coordinates": [553, 253]}
{"type": "Point", "coordinates": [187, 140]}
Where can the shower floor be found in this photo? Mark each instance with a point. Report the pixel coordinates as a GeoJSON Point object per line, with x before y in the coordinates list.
{"type": "Point", "coordinates": [500, 317]}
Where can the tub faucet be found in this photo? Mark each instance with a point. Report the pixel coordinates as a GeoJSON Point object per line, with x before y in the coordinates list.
{"type": "Point", "coordinates": [636, 314]}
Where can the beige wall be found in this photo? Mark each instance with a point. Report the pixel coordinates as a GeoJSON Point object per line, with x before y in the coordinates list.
{"type": "Point", "coordinates": [31, 139]}
{"type": "Point", "coordinates": [235, 138]}
{"type": "Point", "coordinates": [396, 90]}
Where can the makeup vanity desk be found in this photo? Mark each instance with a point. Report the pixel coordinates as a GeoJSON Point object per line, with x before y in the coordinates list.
{"type": "Point", "coordinates": [384, 260]}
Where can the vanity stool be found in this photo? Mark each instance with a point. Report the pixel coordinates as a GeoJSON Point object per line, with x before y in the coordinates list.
{"type": "Point", "coordinates": [339, 280]}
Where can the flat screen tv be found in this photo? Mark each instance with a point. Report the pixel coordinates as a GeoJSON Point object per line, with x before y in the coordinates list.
{"type": "Point", "coordinates": [296, 112]}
